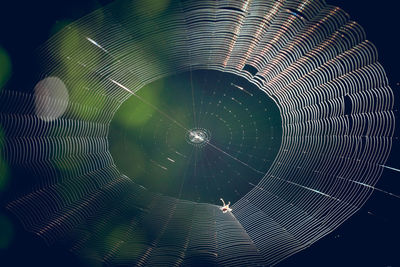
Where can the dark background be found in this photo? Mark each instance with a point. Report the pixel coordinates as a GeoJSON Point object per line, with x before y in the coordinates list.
{"type": "Point", "coordinates": [370, 238]}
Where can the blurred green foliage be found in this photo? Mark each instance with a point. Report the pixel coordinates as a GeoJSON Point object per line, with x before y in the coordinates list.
{"type": "Point", "coordinates": [5, 67]}
{"type": "Point", "coordinates": [6, 232]}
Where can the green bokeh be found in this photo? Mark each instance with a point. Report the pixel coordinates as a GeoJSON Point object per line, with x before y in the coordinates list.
{"type": "Point", "coordinates": [6, 232]}
{"type": "Point", "coordinates": [132, 116]}
{"type": "Point", "coordinates": [151, 7]}
{"type": "Point", "coordinates": [5, 67]}
{"type": "Point", "coordinates": [79, 57]}
{"type": "Point", "coordinates": [59, 25]}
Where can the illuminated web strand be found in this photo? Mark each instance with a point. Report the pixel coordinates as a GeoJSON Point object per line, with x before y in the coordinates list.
{"type": "Point", "coordinates": [154, 107]}
{"type": "Point", "coordinates": [234, 158]}
{"type": "Point", "coordinates": [390, 168]}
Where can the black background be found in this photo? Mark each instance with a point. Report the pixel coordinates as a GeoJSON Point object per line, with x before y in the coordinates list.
{"type": "Point", "coordinates": [370, 238]}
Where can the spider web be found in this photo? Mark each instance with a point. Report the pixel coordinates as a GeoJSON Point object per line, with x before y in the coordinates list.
{"type": "Point", "coordinates": [310, 58]}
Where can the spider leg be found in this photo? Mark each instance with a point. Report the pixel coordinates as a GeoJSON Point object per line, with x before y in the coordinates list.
{"type": "Point", "coordinates": [223, 201]}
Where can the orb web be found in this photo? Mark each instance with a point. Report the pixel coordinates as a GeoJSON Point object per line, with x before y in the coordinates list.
{"type": "Point", "coordinates": [309, 57]}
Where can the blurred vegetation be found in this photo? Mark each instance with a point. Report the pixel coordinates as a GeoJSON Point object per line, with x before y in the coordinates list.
{"type": "Point", "coordinates": [6, 232]}
{"type": "Point", "coordinates": [5, 67]}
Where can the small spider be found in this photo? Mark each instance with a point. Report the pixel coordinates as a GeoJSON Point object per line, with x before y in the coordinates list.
{"type": "Point", "coordinates": [225, 207]}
